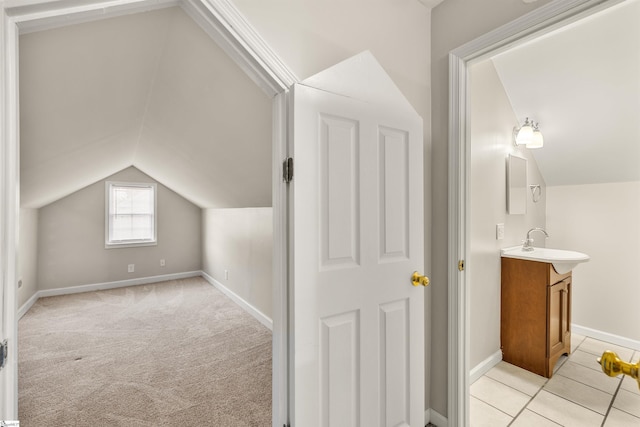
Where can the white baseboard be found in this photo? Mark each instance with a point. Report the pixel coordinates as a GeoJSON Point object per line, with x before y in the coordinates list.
{"type": "Point", "coordinates": [102, 286]}
{"type": "Point", "coordinates": [433, 417]}
{"type": "Point", "coordinates": [116, 284]}
{"type": "Point", "coordinates": [27, 305]}
{"type": "Point", "coordinates": [260, 316]}
{"type": "Point", "coordinates": [485, 366]}
{"type": "Point", "coordinates": [605, 336]}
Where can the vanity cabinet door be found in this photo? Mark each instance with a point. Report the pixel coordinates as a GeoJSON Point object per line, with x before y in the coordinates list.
{"type": "Point", "coordinates": [535, 315]}
{"type": "Point", "coordinates": [559, 320]}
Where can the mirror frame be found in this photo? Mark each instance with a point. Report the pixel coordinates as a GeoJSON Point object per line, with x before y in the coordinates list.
{"type": "Point", "coordinates": [543, 20]}
{"type": "Point", "coordinates": [516, 185]}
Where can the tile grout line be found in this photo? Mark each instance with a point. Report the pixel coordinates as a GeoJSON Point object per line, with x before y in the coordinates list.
{"type": "Point", "coordinates": [495, 407]}
{"type": "Point", "coordinates": [606, 415]}
{"type": "Point", "coordinates": [619, 409]}
{"type": "Point", "coordinates": [520, 391]}
{"type": "Point", "coordinates": [527, 405]}
{"type": "Point", "coordinates": [561, 397]}
{"type": "Point", "coordinates": [587, 385]}
{"type": "Point", "coordinates": [613, 399]}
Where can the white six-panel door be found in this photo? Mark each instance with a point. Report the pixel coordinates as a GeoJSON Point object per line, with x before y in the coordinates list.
{"type": "Point", "coordinates": [358, 323]}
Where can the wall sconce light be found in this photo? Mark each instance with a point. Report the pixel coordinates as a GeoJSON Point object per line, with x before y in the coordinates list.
{"type": "Point", "coordinates": [528, 135]}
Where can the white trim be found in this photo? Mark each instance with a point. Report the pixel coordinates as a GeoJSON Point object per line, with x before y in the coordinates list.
{"type": "Point", "coordinates": [260, 316]}
{"type": "Point", "coordinates": [435, 418]}
{"type": "Point", "coordinates": [606, 337]}
{"type": "Point", "coordinates": [222, 21]}
{"type": "Point", "coordinates": [485, 366]}
{"type": "Point", "coordinates": [102, 286]}
{"type": "Point", "coordinates": [280, 314]}
{"type": "Point", "coordinates": [233, 33]}
{"type": "Point", "coordinates": [41, 20]}
{"type": "Point", "coordinates": [546, 18]}
{"type": "Point", "coordinates": [28, 304]}
{"type": "Point", "coordinates": [116, 284]}
{"type": "Point", "coordinates": [9, 213]}
{"type": "Point", "coordinates": [458, 294]}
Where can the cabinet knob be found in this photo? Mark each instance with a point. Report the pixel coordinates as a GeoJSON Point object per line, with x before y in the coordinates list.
{"type": "Point", "coordinates": [613, 366]}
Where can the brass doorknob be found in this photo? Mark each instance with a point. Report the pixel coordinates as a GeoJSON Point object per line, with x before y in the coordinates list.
{"type": "Point", "coordinates": [613, 366]}
{"type": "Point", "coordinates": [417, 279]}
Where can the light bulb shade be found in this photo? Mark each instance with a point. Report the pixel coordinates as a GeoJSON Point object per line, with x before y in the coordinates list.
{"type": "Point", "coordinates": [525, 134]}
{"type": "Point", "coordinates": [536, 140]}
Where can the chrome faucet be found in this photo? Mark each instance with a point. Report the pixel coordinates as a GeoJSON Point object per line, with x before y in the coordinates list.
{"type": "Point", "coordinates": [527, 244]}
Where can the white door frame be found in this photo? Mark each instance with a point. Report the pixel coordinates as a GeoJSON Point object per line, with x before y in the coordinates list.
{"type": "Point", "coordinates": [534, 24]}
{"type": "Point", "coordinates": [226, 25]}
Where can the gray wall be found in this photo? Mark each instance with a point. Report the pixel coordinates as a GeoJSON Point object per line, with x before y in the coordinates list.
{"type": "Point", "coordinates": [28, 255]}
{"type": "Point", "coordinates": [71, 248]}
{"type": "Point", "coordinates": [240, 241]}
{"type": "Point", "coordinates": [492, 122]}
{"type": "Point", "coordinates": [453, 23]}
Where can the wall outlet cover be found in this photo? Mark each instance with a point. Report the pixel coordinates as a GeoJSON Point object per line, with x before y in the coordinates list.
{"type": "Point", "coordinates": [131, 268]}
{"type": "Point", "coordinates": [500, 231]}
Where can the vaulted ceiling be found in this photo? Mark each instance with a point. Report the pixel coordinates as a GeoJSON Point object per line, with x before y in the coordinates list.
{"type": "Point", "coordinates": [150, 90]}
{"type": "Point", "coordinates": [582, 83]}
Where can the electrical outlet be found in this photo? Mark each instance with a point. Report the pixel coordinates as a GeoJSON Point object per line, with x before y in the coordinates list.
{"type": "Point", "coordinates": [162, 263]}
{"type": "Point", "coordinates": [226, 275]}
{"type": "Point", "coordinates": [500, 231]}
{"type": "Point", "coordinates": [131, 268]}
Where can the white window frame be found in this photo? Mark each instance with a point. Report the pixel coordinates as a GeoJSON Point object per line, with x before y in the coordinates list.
{"type": "Point", "coordinates": [108, 243]}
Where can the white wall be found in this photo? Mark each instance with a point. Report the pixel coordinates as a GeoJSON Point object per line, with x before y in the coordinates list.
{"type": "Point", "coordinates": [603, 221]}
{"type": "Point", "coordinates": [203, 115]}
{"type": "Point", "coordinates": [310, 36]}
{"type": "Point", "coordinates": [492, 122]}
{"type": "Point", "coordinates": [239, 241]}
{"type": "Point", "coordinates": [28, 255]}
{"type": "Point", "coordinates": [453, 23]}
{"type": "Point", "coordinates": [168, 95]}
{"type": "Point", "coordinates": [71, 238]}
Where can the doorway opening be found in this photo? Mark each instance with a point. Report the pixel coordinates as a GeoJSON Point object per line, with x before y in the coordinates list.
{"type": "Point", "coordinates": [243, 45]}
{"type": "Point", "coordinates": [540, 22]}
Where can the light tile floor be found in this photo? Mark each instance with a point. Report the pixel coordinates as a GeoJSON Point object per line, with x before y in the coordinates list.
{"type": "Point", "coordinates": [579, 393]}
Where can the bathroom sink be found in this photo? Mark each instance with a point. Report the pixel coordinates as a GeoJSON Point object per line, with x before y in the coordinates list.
{"type": "Point", "coordinates": [563, 261]}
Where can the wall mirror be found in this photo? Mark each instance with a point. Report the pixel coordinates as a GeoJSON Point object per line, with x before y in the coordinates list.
{"type": "Point", "coordinates": [516, 185]}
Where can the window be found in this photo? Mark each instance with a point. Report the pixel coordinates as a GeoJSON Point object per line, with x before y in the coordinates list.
{"type": "Point", "coordinates": [131, 214]}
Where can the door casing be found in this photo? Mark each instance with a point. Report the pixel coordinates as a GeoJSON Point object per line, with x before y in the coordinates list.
{"type": "Point", "coordinates": [545, 19]}
{"type": "Point", "coordinates": [225, 24]}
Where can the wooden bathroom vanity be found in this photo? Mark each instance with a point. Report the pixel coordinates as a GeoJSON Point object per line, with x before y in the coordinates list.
{"type": "Point", "coordinates": [535, 324]}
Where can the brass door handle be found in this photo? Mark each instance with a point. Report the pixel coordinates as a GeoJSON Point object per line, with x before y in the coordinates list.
{"type": "Point", "coordinates": [613, 366]}
{"type": "Point", "coordinates": [417, 279]}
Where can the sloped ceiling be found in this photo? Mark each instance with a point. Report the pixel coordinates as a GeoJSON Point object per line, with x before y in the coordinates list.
{"type": "Point", "coordinates": [582, 83]}
{"type": "Point", "coordinates": [149, 90]}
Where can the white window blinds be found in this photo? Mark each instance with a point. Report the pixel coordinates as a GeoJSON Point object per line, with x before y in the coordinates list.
{"type": "Point", "coordinates": [131, 216]}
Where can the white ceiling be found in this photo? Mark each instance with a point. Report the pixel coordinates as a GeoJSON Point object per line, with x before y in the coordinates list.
{"type": "Point", "coordinates": [582, 83]}
{"type": "Point", "coordinates": [149, 90]}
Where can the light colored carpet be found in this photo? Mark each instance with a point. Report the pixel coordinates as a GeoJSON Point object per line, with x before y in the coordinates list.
{"type": "Point", "coordinates": [172, 353]}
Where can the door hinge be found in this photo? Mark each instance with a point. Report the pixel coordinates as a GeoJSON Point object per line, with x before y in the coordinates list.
{"type": "Point", "coordinates": [3, 353]}
{"type": "Point", "coordinates": [461, 265]}
{"type": "Point", "coordinates": [287, 170]}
